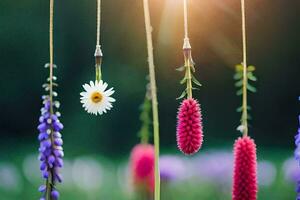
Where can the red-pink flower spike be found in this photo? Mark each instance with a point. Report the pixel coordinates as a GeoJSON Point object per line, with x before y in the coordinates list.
{"type": "Point", "coordinates": [189, 127]}
{"type": "Point", "coordinates": [245, 174]}
{"type": "Point", "coordinates": [142, 166]}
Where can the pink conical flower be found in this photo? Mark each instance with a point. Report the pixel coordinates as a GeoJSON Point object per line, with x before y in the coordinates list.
{"type": "Point", "coordinates": [245, 175]}
{"type": "Point", "coordinates": [189, 127]}
{"type": "Point", "coordinates": [142, 166]}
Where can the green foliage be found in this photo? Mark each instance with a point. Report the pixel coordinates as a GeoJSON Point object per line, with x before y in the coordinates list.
{"type": "Point", "coordinates": [238, 77]}
{"type": "Point", "coordinates": [188, 78]}
{"type": "Point", "coordinates": [145, 118]}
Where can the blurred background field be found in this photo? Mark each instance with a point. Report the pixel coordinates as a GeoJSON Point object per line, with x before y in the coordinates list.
{"type": "Point", "coordinates": [97, 148]}
{"type": "Point", "coordinates": [206, 176]}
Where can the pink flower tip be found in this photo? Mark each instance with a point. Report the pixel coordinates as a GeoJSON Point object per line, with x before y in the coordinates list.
{"type": "Point", "coordinates": [245, 170]}
{"type": "Point", "coordinates": [142, 166]}
{"type": "Point", "coordinates": [189, 127]}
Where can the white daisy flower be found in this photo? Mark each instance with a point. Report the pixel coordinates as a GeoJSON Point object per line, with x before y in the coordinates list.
{"type": "Point", "coordinates": [96, 99]}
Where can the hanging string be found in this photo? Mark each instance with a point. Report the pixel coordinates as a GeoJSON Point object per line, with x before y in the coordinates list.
{"type": "Point", "coordinates": [98, 53]}
{"type": "Point", "coordinates": [186, 44]}
{"type": "Point", "coordinates": [98, 21]}
{"type": "Point", "coordinates": [154, 98]}
{"type": "Point", "coordinates": [185, 19]}
{"type": "Point", "coordinates": [51, 53]}
{"type": "Point", "coordinates": [187, 52]}
{"type": "Point", "coordinates": [245, 79]}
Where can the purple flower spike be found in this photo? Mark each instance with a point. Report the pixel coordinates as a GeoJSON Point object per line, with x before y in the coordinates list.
{"type": "Point", "coordinates": [297, 156]}
{"type": "Point", "coordinates": [51, 151]}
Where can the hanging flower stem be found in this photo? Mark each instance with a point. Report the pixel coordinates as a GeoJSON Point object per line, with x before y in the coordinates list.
{"type": "Point", "coordinates": [98, 61]}
{"type": "Point", "coordinates": [154, 97]}
{"type": "Point", "coordinates": [245, 77]}
{"type": "Point", "coordinates": [146, 120]}
{"type": "Point", "coordinates": [187, 52]}
{"type": "Point", "coordinates": [50, 180]}
{"type": "Point", "coordinates": [98, 53]}
{"type": "Point", "coordinates": [188, 74]}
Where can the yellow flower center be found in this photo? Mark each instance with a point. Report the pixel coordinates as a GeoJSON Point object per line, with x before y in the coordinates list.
{"type": "Point", "coordinates": [97, 97]}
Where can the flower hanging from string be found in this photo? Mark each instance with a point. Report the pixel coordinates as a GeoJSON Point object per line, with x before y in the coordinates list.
{"type": "Point", "coordinates": [297, 155]}
{"type": "Point", "coordinates": [50, 151]}
{"type": "Point", "coordinates": [189, 118]}
{"type": "Point", "coordinates": [142, 156]}
{"type": "Point", "coordinates": [96, 99]}
{"type": "Point", "coordinates": [142, 168]}
{"type": "Point", "coordinates": [245, 162]}
{"type": "Point", "coordinates": [245, 172]}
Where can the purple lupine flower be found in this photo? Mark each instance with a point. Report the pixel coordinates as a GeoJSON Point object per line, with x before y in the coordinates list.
{"type": "Point", "coordinates": [172, 168]}
{"type": "Point", "coordinates": [50, 150]}
{"type": "Point", "coordinates": [215, 167]}
{"type": "Point", "coordinates": [297, 156]}
{"type": "Point", "coordinates": [291, 170]}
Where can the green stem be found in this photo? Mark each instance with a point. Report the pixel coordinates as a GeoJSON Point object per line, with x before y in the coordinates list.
{"type": "Point", "coordinates": [245, 78]}
{"type": "Point", "coordinates": [98, 60]}
{"type": "Point", "coordinates": [154, 98]}
{"type": "Point", "coordinates": [98, 72]}
{"type": "Point", "coordinates": [145, 119]}
{"type": "Point", "coordinates": [49, 180]}
{"type": "Point", "coordinates": [189, 87]}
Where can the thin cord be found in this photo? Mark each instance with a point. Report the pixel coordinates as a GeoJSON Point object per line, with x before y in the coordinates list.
{"type": "Point", "coordinates": [185, 11]}
{"type": "Point", "coordinates": [245, 79]}
{"type": "Point", "coordinates": [51, 52]}
{"type": "Point", "coordinates": [49, 181]}
{"type": "Point", "coordinates": [98, 21]}
{"type": "Point", "coordinates": [154, 98]}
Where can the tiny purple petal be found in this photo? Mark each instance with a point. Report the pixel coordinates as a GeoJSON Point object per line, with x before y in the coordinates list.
{"type": "Point", "coordinates": [42, 127]}
{"type": "Point", "coordinates": [45, 174]}
{"type": "Point", "coordinates": [41, 157]}
{"type": "Point", "coordinates": [57, 126]}
{"type": "Point", "coordinates": [55, 194]}
{"type": "Point", "coordinates": [42, 188]}
{"type": "Point", "coordinates": [43, 166]}
{"type": "Point", "coordinates": [42, 149]}
{"type": "Point", "coordinates": [58, 142]}
{"type": "Point", "coordinates": [46, 143]}
{"type": "Point", "coordinates": [58, 153]}
{"type": "Point", "coordinates": [59, 162]}
{"type": "Point", "coordinates": [43, 136]}
{"type": "Point", "coordinates": [57, 135]}
{"type": "Point", "coordinates": [51, 159]}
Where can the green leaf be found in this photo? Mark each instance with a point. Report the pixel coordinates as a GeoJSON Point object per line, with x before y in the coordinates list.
{"type": "Point", "coordinates": [193, 67]}
{"type": "Point", "coordinates": [196, 81]}
{"type": "Point", "coordinates": [251, 76]}
{"type": "Point", "coordinates": [239, 109]}
{"type": "Point", "coordinates": [249, 108]}
{"type": "Point", "coordinates": [239, 83]}
{"type": "Point", "coordinates": [251, 88]}
{"type": "Point", "coordinates": [239, 68]}
{"type": "Point", "coordinates": [194, 88]}
{"type": "Point", "coordinates": [251, 68]}
{"type": "Point", "coordinates": [183, 80]}
{"type": "Point", "coordinates": [249, 116]}
{"type": "Point", "coordinates": [239, 92]}
{"type": "Point", "coordinates": [237, 76]}
{"type": "Point", "coordinates": [181, 69]}
{"type": "Point", "coordinates": [183, 94]}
